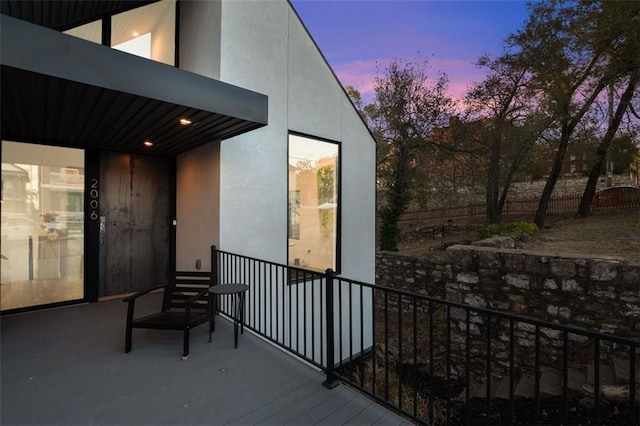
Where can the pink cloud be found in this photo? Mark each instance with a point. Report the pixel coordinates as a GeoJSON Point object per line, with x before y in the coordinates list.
{"type": "Point", "coordinates": [361, 75]}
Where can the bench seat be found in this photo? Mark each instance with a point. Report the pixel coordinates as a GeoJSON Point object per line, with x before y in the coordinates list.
{"type": "Point", "coordinates": [185, 305]}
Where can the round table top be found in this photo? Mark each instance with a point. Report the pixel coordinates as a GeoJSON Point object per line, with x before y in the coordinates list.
{"type": "Point", "coordinates": [231, 288]}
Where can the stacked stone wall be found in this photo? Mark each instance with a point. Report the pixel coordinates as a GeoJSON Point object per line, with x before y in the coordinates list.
{"type": "Point", "coordinates": [600, 294]}
{"type": "Point", "coordinates": [592, 293]}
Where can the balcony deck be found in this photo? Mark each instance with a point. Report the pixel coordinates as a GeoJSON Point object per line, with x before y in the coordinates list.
{"type": "Point", "coordinates": [67, 366]}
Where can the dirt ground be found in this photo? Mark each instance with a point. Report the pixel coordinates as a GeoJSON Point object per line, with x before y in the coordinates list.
{"type": "Point", "coordinates": [613, 233]}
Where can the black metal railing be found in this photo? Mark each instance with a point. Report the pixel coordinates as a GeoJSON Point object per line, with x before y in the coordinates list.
{"type": "Point", "coordinates": [284, 304]}
{"type": "Point", "coordinates": [437, 361]}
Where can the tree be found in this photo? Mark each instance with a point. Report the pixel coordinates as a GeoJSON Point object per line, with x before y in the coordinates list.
{"type": "Point", "coordinates": [568, 58]}
{"type": "Point", "coordinates": [587, 197]}
{"type": "Point", "coordinates": [407, 106]}
{"type": "Point", "coordinates": [451, 162]}
{"type": "Point", "coordinates": [619, 22]}
{"type": "Point", "coordinates": [635, 167]}
{"type": "Point", "coordinates": [623, 153]}
{"type": "Point", "coordinates": [505, 101]}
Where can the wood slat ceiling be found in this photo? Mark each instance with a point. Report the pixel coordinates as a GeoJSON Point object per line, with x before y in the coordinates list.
{"type": "Point", "coordinates": [44, 109]}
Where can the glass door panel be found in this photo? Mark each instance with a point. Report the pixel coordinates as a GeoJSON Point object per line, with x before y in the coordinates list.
{"type": "Point", "coordinates": [42, 225]}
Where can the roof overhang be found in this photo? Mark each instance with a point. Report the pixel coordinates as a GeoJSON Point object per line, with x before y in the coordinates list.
{"type": "Point", "coordinates": [61, 90]}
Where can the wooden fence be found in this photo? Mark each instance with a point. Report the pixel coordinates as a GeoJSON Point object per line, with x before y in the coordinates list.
{"type": "Point", "coordinates": [606, 199]}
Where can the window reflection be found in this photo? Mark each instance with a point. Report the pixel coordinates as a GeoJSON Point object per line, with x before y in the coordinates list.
{"type": "Point", "coordinates": [313, 203]}
{"type": "Point", "coordinates": [42, 225]}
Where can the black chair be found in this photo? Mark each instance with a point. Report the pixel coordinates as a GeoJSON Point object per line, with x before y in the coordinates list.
{"type": "Point", "coordinates": [185, 305]}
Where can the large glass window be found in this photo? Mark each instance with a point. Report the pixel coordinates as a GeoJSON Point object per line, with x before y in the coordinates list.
{"type": "Point", "coordinates": [42, 225]}
{"type": "Point", "coordinates": [147, 31]}
{"type": "Point", "coordinates": [313, 203]}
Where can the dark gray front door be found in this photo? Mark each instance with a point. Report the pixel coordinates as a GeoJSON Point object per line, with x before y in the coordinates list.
{"type": "Point", "coordinates": [135, 222]}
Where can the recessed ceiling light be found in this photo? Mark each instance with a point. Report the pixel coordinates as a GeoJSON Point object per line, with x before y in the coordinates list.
{"type": "Point", "coordinates": [135, 34]}
{"type": "Point", "coordinates": [148, 144]}
{"type": "Point", "coordinates": [185, 122]}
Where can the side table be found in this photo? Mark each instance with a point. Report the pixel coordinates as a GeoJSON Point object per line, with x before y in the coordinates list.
{"type": "Point", "coordinates": [237, 292]}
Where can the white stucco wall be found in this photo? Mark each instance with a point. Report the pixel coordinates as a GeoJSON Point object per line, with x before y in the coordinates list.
{"type": "Point", "coordinates": [197, 206]}
{"type": "Point", "coordinates": [264, 47]}
{"type": "Point", "coordinates": [236, 197]}
{"type": "Point", "coordinates": [198, 171]}
{"type": "Point", "coordinates": [254, 165]}
{"type": "Point", "coordinates": [358, 197]}
{"type": "Point", "coordinates": [200, 37]}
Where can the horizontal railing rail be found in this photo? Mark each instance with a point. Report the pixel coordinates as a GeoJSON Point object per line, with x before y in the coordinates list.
{"type": "Point", "coordinates": [439, 361]}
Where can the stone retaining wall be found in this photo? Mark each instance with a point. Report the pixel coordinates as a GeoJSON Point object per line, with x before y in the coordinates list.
{"type": "Point", "coordinates": [593, 293]}
{"type": "Point", "coordinates": [600, 294]}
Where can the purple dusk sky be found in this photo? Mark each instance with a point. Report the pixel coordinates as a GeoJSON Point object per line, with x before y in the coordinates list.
{"type": "Point", "coordinates": [359, 38]}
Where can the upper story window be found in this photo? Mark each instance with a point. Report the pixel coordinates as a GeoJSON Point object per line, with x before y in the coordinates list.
{"type": "Point", "coordinates": [148, 31]}
{"type": "Point", "coordinates": [314, 199]}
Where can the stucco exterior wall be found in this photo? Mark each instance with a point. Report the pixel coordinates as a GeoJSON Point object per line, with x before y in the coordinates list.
{"type": "Point", "coordinates": [265, 47]}
{"type": "Point", "coordinates": [254, 165]}
{"type": "Point", "coordinates": [197, 207]}
{"type": "Point", "coordinates": [199, 39]}
{"type": "Point", "coordinates": [358, 198]}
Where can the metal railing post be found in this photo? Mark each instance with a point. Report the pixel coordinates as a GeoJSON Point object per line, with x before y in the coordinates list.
{"type": "Point", "coordinates": [214, 266]}
{"type": "Point", "coordinates": [215, 278]}
{"type": "Point", "coordinates": [331, 381]}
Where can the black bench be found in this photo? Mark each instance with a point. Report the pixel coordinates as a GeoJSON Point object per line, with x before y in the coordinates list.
{"type": "Point", "coordinates": [185, 305]}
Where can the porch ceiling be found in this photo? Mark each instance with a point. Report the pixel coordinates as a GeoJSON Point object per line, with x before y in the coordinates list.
{"type": "Point", "coordinates": [61, 90]}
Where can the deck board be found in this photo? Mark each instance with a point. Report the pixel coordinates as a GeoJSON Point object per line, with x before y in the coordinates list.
{"type": "Point", "coordinates": [67, 366]}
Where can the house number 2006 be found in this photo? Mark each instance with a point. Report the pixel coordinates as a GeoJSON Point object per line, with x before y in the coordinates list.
{"type": "Point", "coordinates": [93, 199]}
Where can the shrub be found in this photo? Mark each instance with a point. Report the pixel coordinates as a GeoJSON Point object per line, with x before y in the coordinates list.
{"type": "Point", "coordinates": [511, 228]}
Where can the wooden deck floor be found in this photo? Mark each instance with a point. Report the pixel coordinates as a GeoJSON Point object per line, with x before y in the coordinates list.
{"type": "Point", "coordinates": [67, 367]}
